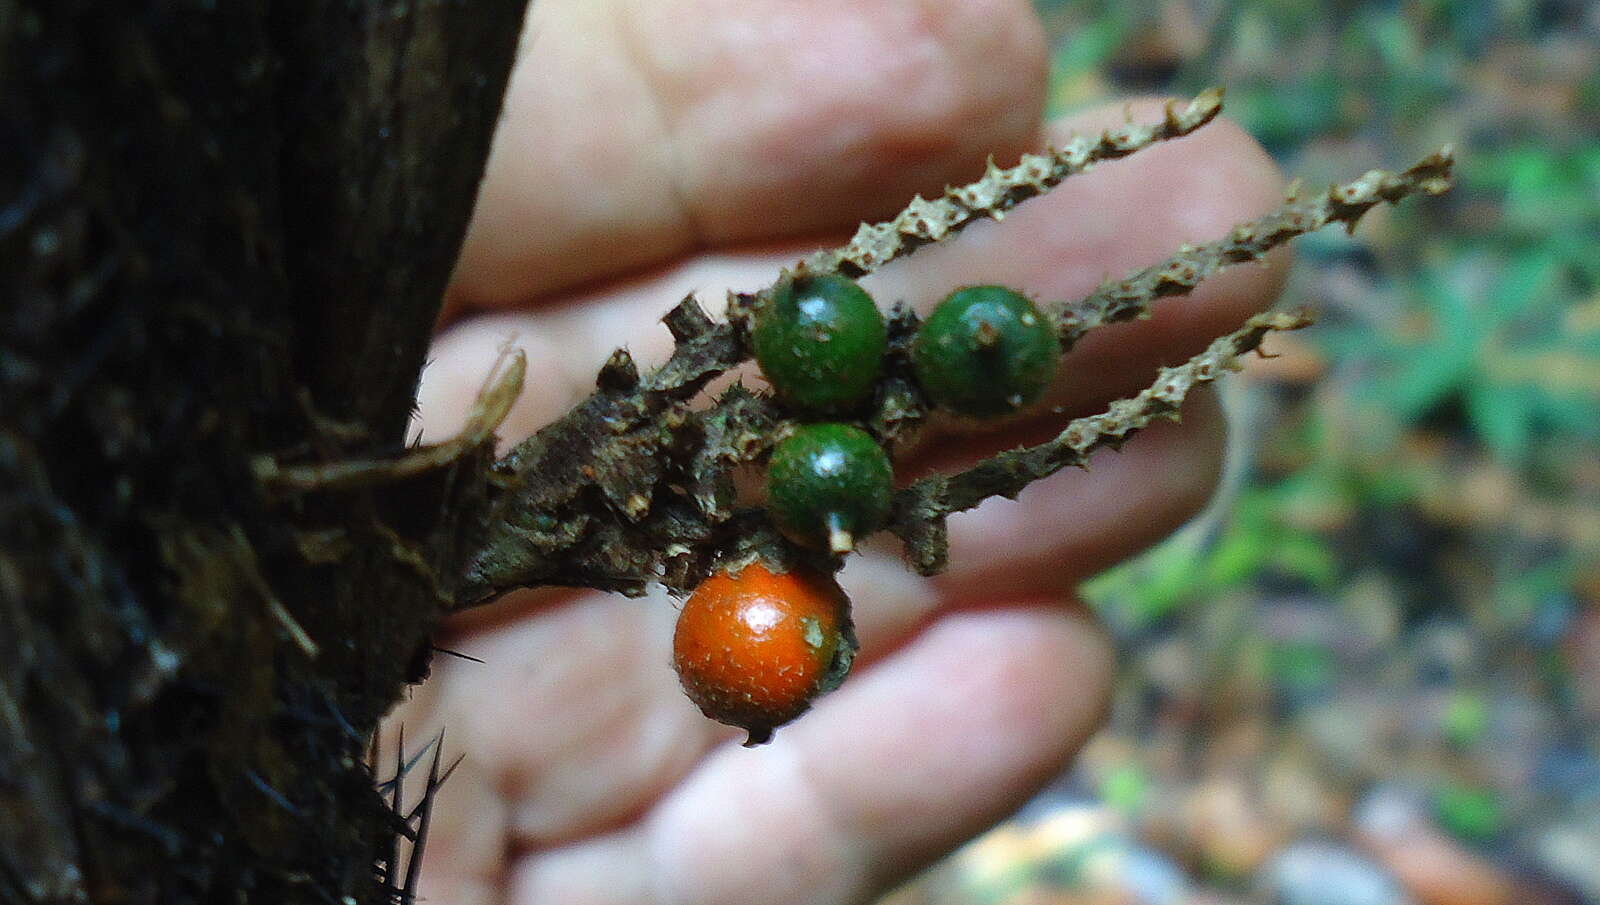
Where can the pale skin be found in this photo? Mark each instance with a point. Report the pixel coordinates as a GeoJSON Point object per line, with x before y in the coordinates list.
{"type": "Point", "coordinates": [651, 149]}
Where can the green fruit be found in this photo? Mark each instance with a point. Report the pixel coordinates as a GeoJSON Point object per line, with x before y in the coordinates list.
{"type": "Point", "coordinates": [820, 342]}
{"type": "Point", "coordinates": [829, 484]}
{"type": "Point", "coordinates": [985, 351]}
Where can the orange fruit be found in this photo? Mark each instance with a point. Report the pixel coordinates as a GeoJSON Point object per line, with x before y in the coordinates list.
{"type": "Point", "coordinates": [754, 648]}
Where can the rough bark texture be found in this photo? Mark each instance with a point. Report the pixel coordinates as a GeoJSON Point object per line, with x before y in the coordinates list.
{"type": "Point", "coordinates": [224, 232]}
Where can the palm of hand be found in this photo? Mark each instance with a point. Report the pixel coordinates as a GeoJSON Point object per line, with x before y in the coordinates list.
{"type": "Point", "coordinates": [701, 154]}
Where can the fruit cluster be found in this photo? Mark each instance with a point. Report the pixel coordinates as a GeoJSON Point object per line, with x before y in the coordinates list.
{"type": "Point", "coordinates": [985, 351]}
{"type": "Point", "coordinates": [754, 647]}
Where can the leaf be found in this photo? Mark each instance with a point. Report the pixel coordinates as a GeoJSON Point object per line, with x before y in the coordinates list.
{"type": "Point", "coordinates": [1502, 419]}
{"type": "Point", "coordinates": [1125, 788]}
{"type": "Point", "coordinates": [1576, 415]}
{"type": "Point", "coordinates": [1146, 590]}
{"type": "Point", "coordinates": [1526, 280]}
{"type": "Point", "coordinates": [1090, 47]}
{"type": "Point", "coordinates": [1470, 813]}
{"type": "Point", "coordinates": [1306, 557]}
{"type": "Point", "coordinates": [1243, 547]}
{"type": "Point", "coordinates": [1432, 371]}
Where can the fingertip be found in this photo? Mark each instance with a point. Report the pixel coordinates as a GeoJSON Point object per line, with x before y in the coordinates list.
{"type": "Point", "coordinates": [985, 706]}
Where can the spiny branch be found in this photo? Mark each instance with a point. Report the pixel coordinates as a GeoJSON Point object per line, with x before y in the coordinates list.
{"type": "Point", "coordinates": [706, 349]}
{"type": "Point", "coordinates": [1179, 275]}
{"type": "Point", "coordinates": [635, 485]}
{"type": "Point", "coordinates": [921, 509]}
{"type": "Point", "coordinates": [923, 221]}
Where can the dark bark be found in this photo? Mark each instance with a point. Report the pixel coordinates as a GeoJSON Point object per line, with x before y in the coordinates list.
{"type": "Point", "coordinates": [224, 232]}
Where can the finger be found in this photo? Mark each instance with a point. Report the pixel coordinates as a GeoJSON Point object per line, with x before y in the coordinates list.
{"type": "Point", "coordinates": [636, 131]}
{"type": "Point", "coordinates": [568, 764]}
{"type": "Point", "coordinates": [904, 762]}
{"type": "Point", "coordinates": [574, 715]}
{"type": "Point", "coordinates": [568, 722]}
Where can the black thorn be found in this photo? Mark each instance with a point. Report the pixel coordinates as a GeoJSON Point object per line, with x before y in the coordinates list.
{"type": "Point", "coordinates": [425, 814]}
{"type": "Point", "coordinates": [400, 768]}
{"type": "Point", "coordinates": [456, 653]}
{"type": "Point", "coordinates": [339, 717]}
{"type": "Point", "coordinates": [404, 767]}
{"type": "Point", "coordinates": [272, 794]}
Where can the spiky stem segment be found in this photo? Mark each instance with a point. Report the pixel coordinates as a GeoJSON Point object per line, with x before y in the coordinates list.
{"type": "Point", "coordinates": [924, 221]}
{"type": "Point", "coordinates": [634, 486]}
{"type": "Point", "coordinates": [1178, 275]}
{"type": "Point", "coordinates": [920, 510]}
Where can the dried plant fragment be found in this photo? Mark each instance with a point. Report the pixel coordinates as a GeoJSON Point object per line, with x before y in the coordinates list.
{"type": "Point", "coordinates": [501, 389]}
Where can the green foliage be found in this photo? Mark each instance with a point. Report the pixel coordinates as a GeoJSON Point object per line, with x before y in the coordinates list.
{"type": "Point", "coordinates": [1254, 540]}
{"type": "Point", "coordinates": [1300, 666]}
{"type": "Point", "coordinates": [1465, 719]}
{"type": "Point", "coordinates": [1125, 788]}
{"type": "Point", "coordinates": [1473, 322]}
{"type": "Point", "coordinates": [1496, 340]}
{"type": "Point", "coordinates": [1470, 812]}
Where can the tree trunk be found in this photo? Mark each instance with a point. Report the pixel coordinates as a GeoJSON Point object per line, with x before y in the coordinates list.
{"type": "Point", "coordinates": [224, 231]}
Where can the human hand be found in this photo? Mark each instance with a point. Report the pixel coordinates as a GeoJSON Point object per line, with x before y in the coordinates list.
{"type": "Point", "coordinates": [651, 149]}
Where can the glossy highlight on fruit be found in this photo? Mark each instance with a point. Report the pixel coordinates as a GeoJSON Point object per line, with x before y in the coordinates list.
{"type": "Point", "coordinates": [755, 647]}
{"type": "Point", "coordinates": [828, 485]}
{"type": "Point", "coordinates": [820, 342]}
{"type": "Point", "coordinates": [985, 351]}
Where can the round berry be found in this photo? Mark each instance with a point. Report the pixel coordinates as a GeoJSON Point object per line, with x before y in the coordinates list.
{"type": "Point", "coordinates": [754, 648]}
{"type": "Point", "coordinates": [820, 342]}
{"type": "Point", "coordinates": [829, 484]}
{"type": "Point", "coordinates": [985, 351]}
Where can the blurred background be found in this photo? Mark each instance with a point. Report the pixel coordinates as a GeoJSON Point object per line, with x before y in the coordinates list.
{"type": "Point", "coordinates": [1371, 674]}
